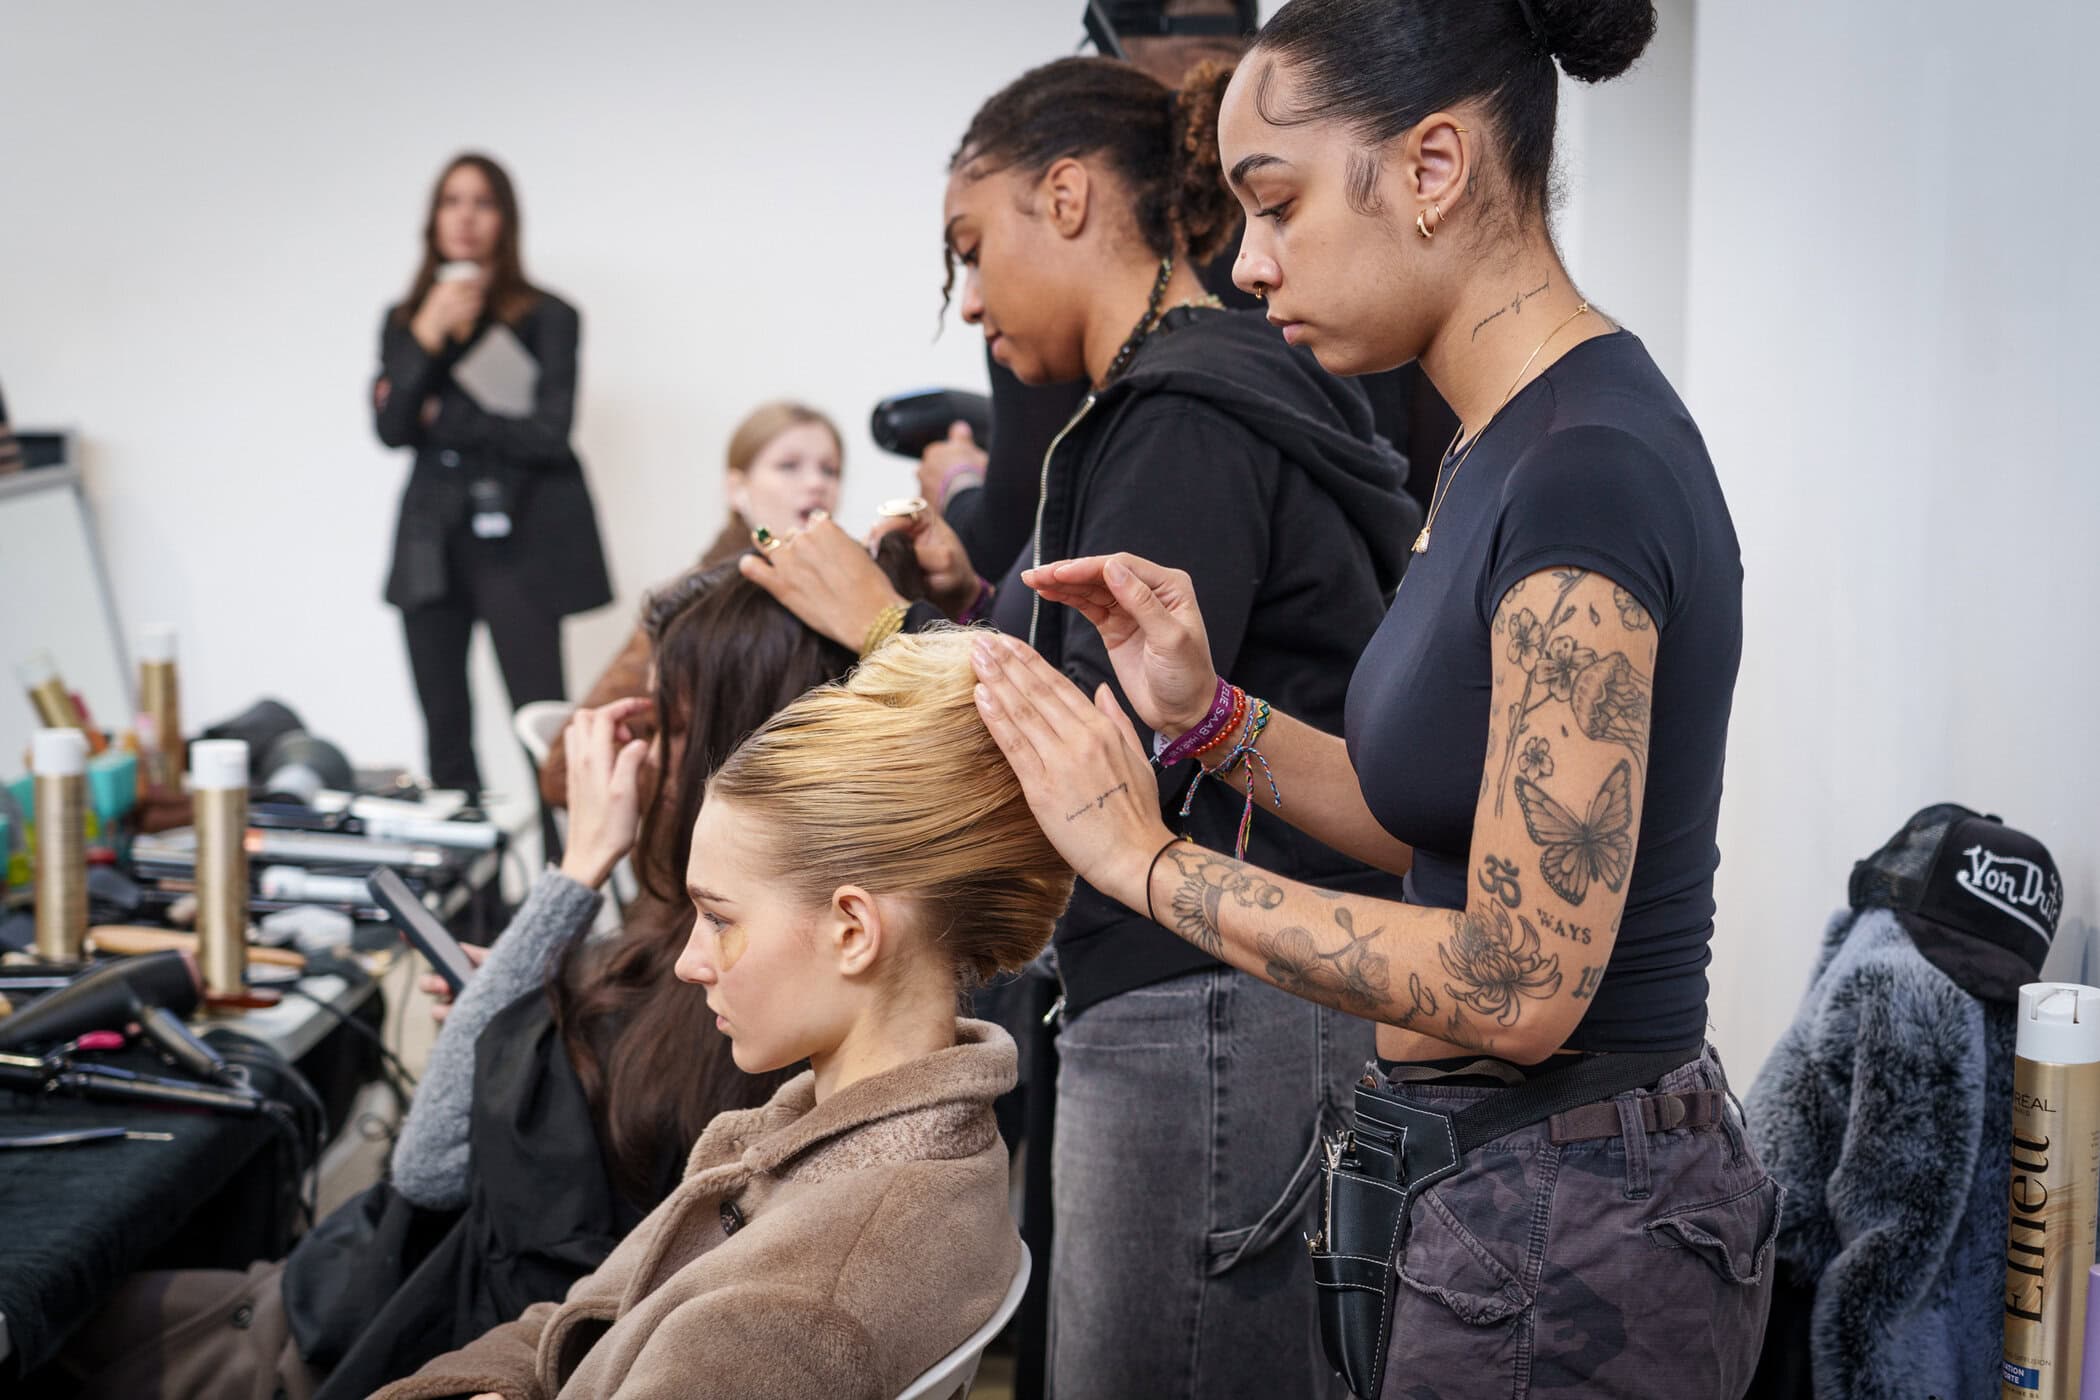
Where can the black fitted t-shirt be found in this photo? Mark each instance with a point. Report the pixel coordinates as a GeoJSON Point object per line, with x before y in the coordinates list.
{"type": "Point", "coordinates": [1594, 465]}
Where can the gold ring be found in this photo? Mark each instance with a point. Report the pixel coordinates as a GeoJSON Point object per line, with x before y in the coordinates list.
{"type": "Point", "coordinates": [765, 539]}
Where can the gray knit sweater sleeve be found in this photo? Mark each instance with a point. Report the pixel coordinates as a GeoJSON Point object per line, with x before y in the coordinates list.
{"type": "Point", "coordinates": [430, 1156]}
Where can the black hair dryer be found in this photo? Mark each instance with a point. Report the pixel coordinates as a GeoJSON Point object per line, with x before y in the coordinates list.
{"type": "Point", "coordinates": [156, 990]}
{"type": "Point", "coordinates": [908, 424]}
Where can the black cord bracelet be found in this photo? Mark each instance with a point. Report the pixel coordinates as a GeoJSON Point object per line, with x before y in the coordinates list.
{"type": "Point", "coordinates": [1149, 873]}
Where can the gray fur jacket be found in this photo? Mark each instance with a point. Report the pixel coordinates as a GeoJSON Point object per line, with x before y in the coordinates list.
{"type": "Point", "coordinates": [1886, 1111]}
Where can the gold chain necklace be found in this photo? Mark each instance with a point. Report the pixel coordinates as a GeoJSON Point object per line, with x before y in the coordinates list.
{"type": "Point", "coordinates": [1436, 501]}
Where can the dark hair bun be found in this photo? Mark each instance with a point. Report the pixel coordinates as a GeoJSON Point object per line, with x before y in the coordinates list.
{"type": "Point", "coordinates": [1204, 208]}
{"type": "Point", "coordinates": [1596, 39]}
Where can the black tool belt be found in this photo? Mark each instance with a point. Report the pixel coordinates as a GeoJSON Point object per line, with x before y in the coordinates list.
{"type": "Point", "coordinates": [1398, 1148]}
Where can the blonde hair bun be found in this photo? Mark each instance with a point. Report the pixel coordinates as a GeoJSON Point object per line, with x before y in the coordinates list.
{"type": "Point", "coordinates": [889, 780]}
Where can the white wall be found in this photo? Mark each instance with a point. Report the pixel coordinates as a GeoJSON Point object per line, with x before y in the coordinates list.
{"type": "Point", "coordinates": [206, 207]}
{"type": "Point", "coordinates": [1891, 351]}
{"type": "Point", "coordinates": [1624, 169]}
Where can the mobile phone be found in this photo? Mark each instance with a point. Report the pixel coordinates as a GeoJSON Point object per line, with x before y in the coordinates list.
{"type": "Point", "coordinates": [430, 937]}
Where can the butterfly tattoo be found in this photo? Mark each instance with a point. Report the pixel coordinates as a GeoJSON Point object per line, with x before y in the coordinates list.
{"type": "Point", "coordinates": [1575, 851]}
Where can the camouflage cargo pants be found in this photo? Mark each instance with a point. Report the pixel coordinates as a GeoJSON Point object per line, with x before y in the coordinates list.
{"type": "Point", "coordinates": [1633, 1265]}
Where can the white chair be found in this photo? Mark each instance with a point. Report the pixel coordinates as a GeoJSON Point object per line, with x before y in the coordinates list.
{"type": "Point", "coordinates": [539, 724]}
{"type": "Point", "coordinates": [950, 1377]}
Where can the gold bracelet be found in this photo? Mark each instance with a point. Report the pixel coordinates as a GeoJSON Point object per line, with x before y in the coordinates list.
{"type": "Point", "coordinates": [887, 624]}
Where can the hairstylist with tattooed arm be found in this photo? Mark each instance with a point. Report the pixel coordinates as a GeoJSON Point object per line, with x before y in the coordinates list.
{"type": "Point", "coordinates": [1535, 734]}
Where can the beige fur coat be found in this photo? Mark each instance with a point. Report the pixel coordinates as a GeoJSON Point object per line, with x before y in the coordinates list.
{"type": "Point", "coordinates": [813, 1252]}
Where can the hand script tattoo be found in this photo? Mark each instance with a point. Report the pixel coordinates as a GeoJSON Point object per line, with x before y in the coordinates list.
{"type": "Point", "coordinates": [1207, 881]}
{"type": "Point", "coordinates": [1097, 804]}
{"type": "Point", "coordinates": [1493, 966]}
{"type": "Point", "coordinates": [1605, 696]}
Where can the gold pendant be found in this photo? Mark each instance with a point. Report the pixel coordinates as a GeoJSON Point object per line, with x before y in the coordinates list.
{"type": "Point", "coordinates": [1422, 541]}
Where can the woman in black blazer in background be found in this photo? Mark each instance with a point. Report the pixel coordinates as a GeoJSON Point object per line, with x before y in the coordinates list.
{"type": "Point", "coordinates": [496, 523]}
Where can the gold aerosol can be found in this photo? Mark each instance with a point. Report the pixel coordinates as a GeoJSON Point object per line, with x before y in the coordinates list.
{"type": "Point", "coordinates": [48, 693]}
{"type": "Point", "coordinates": [2055, 1190]}
{"type": "Point", "coordinates": [219, 790]}
{"type": "Point", "coordinates": [58, 763]}
{"type": "Point", "coordinates": [160, 702]}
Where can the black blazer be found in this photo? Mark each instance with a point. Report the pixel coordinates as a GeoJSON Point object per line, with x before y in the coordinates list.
{"type": "Point", "coordinates": [552, 553]}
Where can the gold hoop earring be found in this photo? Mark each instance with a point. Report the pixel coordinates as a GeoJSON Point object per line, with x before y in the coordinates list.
{"type": "Point", "coordinates": [1421, 226]}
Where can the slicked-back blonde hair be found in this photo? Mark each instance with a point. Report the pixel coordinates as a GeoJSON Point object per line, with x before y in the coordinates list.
{"type": "Point", "coordinates": [890, 781]}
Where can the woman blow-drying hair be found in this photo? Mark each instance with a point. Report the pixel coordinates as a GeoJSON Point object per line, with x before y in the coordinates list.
{"type": "Point", "coordinates": [858, 860]}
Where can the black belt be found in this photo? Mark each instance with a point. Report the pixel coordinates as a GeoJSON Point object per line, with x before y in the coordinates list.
{"type": "Point", "coordinates": [1398, 1147]}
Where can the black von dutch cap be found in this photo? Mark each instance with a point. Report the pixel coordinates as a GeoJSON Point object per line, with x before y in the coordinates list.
{"type": "Point", "coordinates": [1979, 898]}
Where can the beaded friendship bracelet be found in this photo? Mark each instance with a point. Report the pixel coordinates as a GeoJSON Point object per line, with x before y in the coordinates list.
{"type": "Point", "coordinates": [1232, 713]}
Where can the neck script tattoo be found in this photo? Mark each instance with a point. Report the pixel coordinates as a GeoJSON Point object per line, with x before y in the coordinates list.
{"type": "Point", "coordinates": [1514, 306]}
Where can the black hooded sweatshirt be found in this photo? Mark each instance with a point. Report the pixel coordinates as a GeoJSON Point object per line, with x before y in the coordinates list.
{"type": "Point", "coordinates": [1223, 452]}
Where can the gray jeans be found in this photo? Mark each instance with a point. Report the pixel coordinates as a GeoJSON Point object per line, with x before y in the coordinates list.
{"type": "Point", "coordinates": [1189, 1116]}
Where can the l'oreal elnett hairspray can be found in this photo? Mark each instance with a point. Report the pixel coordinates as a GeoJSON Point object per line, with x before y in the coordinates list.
{"type": "Point", "coordinates": [219, 789]}
{"type": "Point", "coordinates": [58, 761]}
{"type": "Point", "coordinates": [2055, 1189]}
{"type": "Point", "coordinates": [160, 702]}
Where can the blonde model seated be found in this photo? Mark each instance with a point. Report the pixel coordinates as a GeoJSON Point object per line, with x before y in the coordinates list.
{"type": "Point", "coordinates": [856, 861]}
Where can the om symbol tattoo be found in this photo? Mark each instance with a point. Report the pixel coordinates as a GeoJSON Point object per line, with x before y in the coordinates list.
{"type": "Point", "coordinates": [1499, 878]}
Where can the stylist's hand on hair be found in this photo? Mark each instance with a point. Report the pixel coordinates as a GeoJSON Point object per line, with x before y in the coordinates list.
{"type": "Point", "coordinates": [1080, 764]}
{"type": "Point", "coordinates": [1149, 621]}
{"type": "Point", "coordinates": [952, 583]}
{"type": "Point", "coordinates": [606, 759]}
{"type": "Point", "coordinates": [825, 577]}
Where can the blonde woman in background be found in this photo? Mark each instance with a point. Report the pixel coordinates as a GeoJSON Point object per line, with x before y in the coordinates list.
{"type": "Point", "coordinates": [784, 464]}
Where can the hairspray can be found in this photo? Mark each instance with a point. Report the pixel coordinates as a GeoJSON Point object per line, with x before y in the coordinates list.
{"type": "Point", "coordinates": [58, 760]}
{"type": "Point", "coordinates": [160, 701]}
{"type": "Point", "coordinates": [219, 788]}
{"type": "Point", "coordinates": [48, 693]}
{"type": "Point", "coordinates": [2055, 1182]}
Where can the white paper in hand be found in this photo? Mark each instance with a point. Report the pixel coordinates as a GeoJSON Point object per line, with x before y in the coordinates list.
{"type": "Point", "coordinates": [499, 373]}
